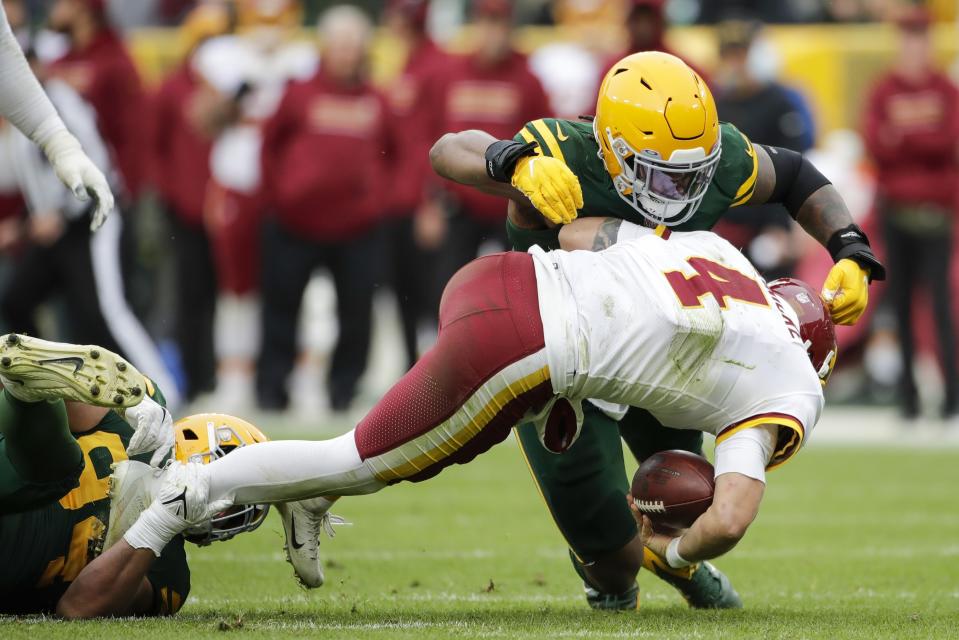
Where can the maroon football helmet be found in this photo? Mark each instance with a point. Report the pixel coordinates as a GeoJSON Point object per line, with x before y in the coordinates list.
{"type": "Point", "coordinates": [816, 329]}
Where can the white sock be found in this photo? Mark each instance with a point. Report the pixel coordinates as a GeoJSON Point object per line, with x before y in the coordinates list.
{"type": "Point", "coordinates": [317, 506]}
{"type": "Point", "coordinates": [289, 470]}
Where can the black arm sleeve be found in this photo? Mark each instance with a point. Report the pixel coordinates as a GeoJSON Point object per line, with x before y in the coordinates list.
{"type": "Point", "coordinates": [502, 156]}
{"type": "Point", "coordinates": [796, 178]}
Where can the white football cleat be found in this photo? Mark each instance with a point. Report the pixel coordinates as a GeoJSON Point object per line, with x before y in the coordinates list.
{"type": "Point", "coordinates": [132, 485]}
{"type": "Point", "coordinates": [303, 529]}
{"type": "Point", "coordinates": [35, 370]}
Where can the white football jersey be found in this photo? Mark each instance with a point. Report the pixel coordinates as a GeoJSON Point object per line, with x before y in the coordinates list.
{"type": "Point", "coordinates": [683, 327]}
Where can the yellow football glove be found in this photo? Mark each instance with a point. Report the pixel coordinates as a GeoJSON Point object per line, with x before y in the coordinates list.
{"type": "Point", "coordinates": [846, 291]}
{"type": "Point", "coordinates": [550, 185]}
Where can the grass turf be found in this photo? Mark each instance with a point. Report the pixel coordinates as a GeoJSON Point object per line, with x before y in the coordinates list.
{"type": "Point", "coordinates": [851, 543]}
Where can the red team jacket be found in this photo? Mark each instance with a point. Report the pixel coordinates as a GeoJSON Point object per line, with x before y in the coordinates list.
{"type": "Point", "coordinates": [104, 75]}
{"type": "Point", "coordinates": [912, 133]}
{"type": "Point", "coordinates": [326, 168]}
{"type": "Point", "coordinates": [498, 100]}
{"type": "Point", "coordinates": [413, 98]}
{"type": "Point", "coordinates": [181, 154]}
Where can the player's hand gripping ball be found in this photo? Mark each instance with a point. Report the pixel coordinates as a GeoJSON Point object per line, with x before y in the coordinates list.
{"type": "Point", "coordinates": [551, 186]}
{"type": "Point", "coordinates": [673, 488]}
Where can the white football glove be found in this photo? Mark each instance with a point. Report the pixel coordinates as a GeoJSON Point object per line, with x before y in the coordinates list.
{"type": "Point", "coordinates": [79, 174]}
{"type": "Point", "coordinates": [181, 502]}
{"type": "Point", "coordinates": [153, 430]}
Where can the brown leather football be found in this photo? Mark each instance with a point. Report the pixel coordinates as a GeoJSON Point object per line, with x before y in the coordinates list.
{"type": "Point", "coordinates": [673, 488]}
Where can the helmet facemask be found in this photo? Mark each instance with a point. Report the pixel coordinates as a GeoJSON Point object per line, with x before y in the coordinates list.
{"type": "Point", "coordinates": [665, 192]}
{"type": "Point", "coordinates": [236, 519]}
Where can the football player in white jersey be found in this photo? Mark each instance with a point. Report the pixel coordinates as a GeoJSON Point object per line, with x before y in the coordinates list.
{"type": "Point", "coordinates": [679, 324]}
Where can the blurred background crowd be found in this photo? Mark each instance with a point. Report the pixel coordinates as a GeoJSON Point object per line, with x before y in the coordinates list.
{"type": "Point", "coordinates": [282, 244]}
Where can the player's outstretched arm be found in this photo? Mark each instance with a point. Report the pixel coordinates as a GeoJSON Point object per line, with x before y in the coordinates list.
{"type": "Point", "coordinates": [461, 157]}
{"type": "Point", "coordinates": [114, 584]}
{"type": "Point", "coordinates": [786, 177]}
{"type": "Point", "coordinates": [26, 106]}
{"type": "Point", "coordinates": [512, 170]}
{"type": "Point", "coordinates": [736, 500]}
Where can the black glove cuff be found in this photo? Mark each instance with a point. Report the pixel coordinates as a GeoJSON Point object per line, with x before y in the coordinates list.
{"type": "Point", "coordinates": [850, 242]}
{"type": "Point", "coordinates": [502, 155]}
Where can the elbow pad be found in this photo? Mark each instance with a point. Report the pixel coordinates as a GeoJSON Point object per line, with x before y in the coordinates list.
{"type": "Point", "coordinates": [796, 179]}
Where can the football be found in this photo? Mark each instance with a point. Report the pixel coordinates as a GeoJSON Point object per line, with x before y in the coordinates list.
{"type": "Point", "coordinates": [673, 488]}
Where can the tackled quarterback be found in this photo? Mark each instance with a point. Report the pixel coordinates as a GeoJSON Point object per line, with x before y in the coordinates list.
{"type": "Point", "coordinates": [655, 153]}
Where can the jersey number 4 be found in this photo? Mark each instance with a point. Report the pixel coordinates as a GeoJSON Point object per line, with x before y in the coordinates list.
{"type": "Point", "coordinates": [712, 278]}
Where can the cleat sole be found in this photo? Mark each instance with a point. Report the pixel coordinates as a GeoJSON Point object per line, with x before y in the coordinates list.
{"type": "Point", "coordinates": [52, 370]}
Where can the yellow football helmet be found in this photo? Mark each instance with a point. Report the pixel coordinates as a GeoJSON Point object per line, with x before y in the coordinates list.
{"type": "Point", "coordinates": [203, 438]}
{"type": "Point", "coordinates": [658, 133]}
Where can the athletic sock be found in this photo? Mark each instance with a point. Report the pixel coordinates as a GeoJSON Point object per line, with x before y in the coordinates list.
{"type": "Point", "coordinates": [284, 471]}
{"type": "Point", "coordinates": [39, 444]}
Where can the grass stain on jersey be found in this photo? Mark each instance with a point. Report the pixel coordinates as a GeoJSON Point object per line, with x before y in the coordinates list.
{"type": "Point", "coordinates": [693, 344]}
{"type": "Point", "coordinates": [609, 307]}
{"type": "Point", "coordinates": [737, 363]}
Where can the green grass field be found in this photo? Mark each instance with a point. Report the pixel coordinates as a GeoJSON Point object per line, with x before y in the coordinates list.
{"type": "Point", "coordinates": [851, 543]}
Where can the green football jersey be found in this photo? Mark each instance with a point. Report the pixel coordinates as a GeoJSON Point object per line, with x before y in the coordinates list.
{"type": "Point", "coordinates": [43, 550]}
{"type": "Point", "coordinates": [572, 142]}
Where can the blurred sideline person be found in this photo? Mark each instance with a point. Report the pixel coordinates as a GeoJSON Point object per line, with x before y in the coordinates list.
{"type": "Point", "coordinates": [679, 168]}
{"type": "Point", "coordinates": [99, 68]}
{"type": "Point", "coordinates": [531, 336]}
{"type": "Point", "coordinates": [24, 104]}
{"type": "Point", "coordinates": [412, 96]}
{"type": "Point", "coordinates": [74, 478]}
{"type": "Point", "coordinates": [768, 112]}
{"type": "Point", "coordinates": [181, 172]}
{"type": "Point", "coordinates": [646, 31]}
{"type": "Point", "coordinates": [492, 89]}
{"type": "Point", "coordinates": [65, 257]}
{"type": "Point", "coordinates": [244, 76]}
{"type": "Point", "coordinates": [570, 74]}
{"type": "Point", "coordinates": [912, 134]}
{"type": "Point", "coordinates": [326, 164]}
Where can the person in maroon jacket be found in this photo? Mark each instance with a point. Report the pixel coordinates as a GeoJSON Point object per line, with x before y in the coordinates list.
{"type": "Point", "coordinates": [491, 89]}
{"type": "Point", "coordinates": [412, 98]}
{"type": "Point", "coordinates": [325, 177]}
{"type": "Point", "coordinates": [181, 171]}
{"type": "Point", "coordinates": [912, 129]}
{"type": "Point", "coordinates": [100, 69]}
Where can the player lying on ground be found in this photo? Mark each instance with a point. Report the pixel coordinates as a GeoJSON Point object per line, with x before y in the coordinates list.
{"type": "Point", "coordinates": [656, 153]}
{"type": "Point", "coordinates": [23, 103]}
{"type": "Point", "coordinates": [61, 511]}
{"type": "Point", "coordinates": [681, 325]}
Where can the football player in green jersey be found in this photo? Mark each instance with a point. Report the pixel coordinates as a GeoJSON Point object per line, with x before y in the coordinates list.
{"type": "Point", "coordinates": [655, 154]}
{"type": "Point", "coordinates": [74, 478]}
{"type": "Point", "coordinates": [59, 439]}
